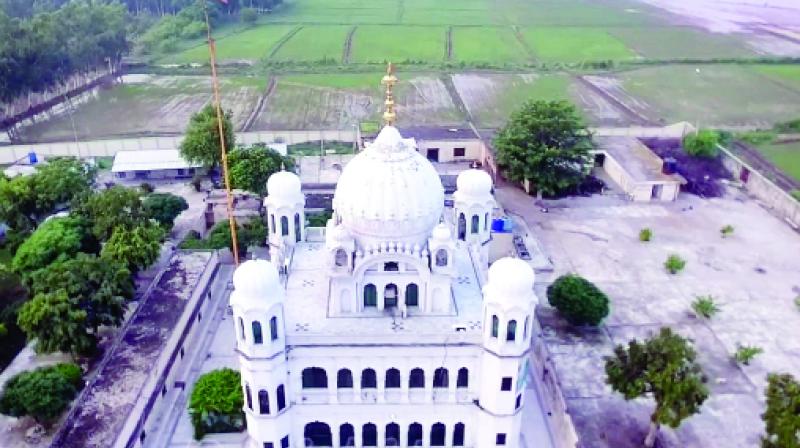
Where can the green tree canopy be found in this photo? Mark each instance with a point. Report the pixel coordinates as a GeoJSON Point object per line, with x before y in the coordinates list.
{"type": "Point", "coordinates": [56, 239]}
{"type": "Point", "coordinates": [251, 167]}
{"type": "Point", "coordinates": [56, 324]}
{"type": "Point", "coordinates": [782, 417]}
{"type": "Point", "coordinates": [216, 402]}
{"type": "Point", "coordinates": [578, 300]}
{"type": "Point", "coordinates": [546, 143]}
{"type": "Point", "coordinates": [702, 144]}
{"type": "Point", "coordinates": [108, 209]}
{"type": "Point", "coordinates": [43, 393]}
{"type": "Point", "coordinates": [164, 208]}
{"type": "Point", "coordinates": [201, 142]}
{"type": "Point", "coordinates": [136, 248]}
{"type": "Point", "coordinates": [665, 368]}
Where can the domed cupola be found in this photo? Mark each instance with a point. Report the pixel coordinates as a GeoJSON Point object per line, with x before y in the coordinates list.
{"type": "Point", "coordinates": [389, 193]}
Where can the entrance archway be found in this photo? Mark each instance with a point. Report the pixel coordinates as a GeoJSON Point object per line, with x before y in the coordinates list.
{"type": "Point", "coordinates": [318, 434]}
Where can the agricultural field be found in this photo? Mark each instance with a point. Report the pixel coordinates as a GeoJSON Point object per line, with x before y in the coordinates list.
{"type": "Point", "coordinates": [145, 105]}
{"type": "Point", "coordinates": [488, 45]}
{"type": "Point", "coordinates": [785, 74]}
{"type": "Point", "coordinates": [567, 44]}
{"type": "Point", "coordinates": [681, 42]}
{"type": "Point", "coordinates": [249, 45]}
{"type": "Point", "coordinates": [378, 44]}
{"type": "Point", "coordinates": [315, 43]}
{"type": "Point", "coordinates": [785, 156]}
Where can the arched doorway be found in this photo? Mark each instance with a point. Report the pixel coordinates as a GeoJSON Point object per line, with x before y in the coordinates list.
{"type": "Point", "coordinates": [412, 294]}
{"type": "Point", "coordinates": [284, 226]}
{"type": "Point", "coordinates": [347, 435]}
{"type": "Point", "coordinates": [318, 434]}
{"type": "Point", "coordinates": [370, 295]}
{"type": "Point", "coordinates": [390, 296]}
{"type": "Point", "coordinates": [392, 434]}
{"type": "Point", "coordinates": [415, 435]}
{"type": "Point", "coordinates": [438, 434]}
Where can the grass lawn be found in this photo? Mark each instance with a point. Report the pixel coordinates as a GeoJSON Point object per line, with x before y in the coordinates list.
{"type": "Point", "coordinates": [785, 156]}
{"type": "Point", "coordinates": [398, 43]}
{"type": "Point", "coordinates": [660, 42]}
{"type": "Point", "coordinates": [488, 45]}
{"type": "Point", "coordinates": [787, 74]}
{"type": "Point", "coordinates": [315, 43]}
{"type": "Point", "coordinates": [252, 44]}
{"type": "Point", "coordinates": [575, 45]}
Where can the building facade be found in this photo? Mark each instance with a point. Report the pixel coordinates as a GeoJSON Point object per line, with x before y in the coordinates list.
{"type": "Point", "coordinates": [393, 331]}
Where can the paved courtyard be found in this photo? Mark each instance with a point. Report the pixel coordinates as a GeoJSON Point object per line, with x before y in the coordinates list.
{"type": "Point", "coordinates": [754, 275]}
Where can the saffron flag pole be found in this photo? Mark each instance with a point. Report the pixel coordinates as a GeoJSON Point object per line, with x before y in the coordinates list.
{"type": "Point", "coordinates": [212, 48]}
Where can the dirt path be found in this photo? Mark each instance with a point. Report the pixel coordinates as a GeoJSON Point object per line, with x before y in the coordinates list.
{"type": "Point", "coordinates": [348, 45]}
{"type": "Point", "coordinates": [283, 40]}
{"type": "Point", "coordinates": [260, 106]}
{"type": "Point", "coordinates": [634, 116]}
{"type": "Point", "coordinates": [522, 42]}
{"type": "Point", "coordinates": [448, 44]}
{"type": "Point", "coordinates": [447, 80]}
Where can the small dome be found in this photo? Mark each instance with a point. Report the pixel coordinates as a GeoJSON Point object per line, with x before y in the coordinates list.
{"type": "Point", "coordinates": [473, 183]}
{"type": "Point", "coordinates": [256, 284]}
{"type": "Point", "coordinates": [284, 187]}
{"type": "Point", "coordinates": [510, 280]}
{"type": "Point", "coordinates": [442, 232]}
{"type": "Point", "coordinates": [340, 233]}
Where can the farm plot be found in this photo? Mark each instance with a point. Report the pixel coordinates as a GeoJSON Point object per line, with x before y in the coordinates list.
{"type": "Point", "coordinates": [314, 43]}
{"type": "Point", "coordinates": [146, 105]}
{"type": "Point", "coordinates": [398, 43]}
{"type": "Point", "coordinates": [714, 95]}
{"type": "Point", "coordinates": [488, 45]}
{"type": "Point", "coordinates": [574, 13]}
{"type": "Point", "coordinates": [785, 156]}
{"type": "Point", "coordinates": [249, 45]}
{"type": "Point", "coordinates": [660, 42]}
{"type": "Point", "coordinates": [468, 12]}
{"type": "Point", "coordinates": [336, 11]}
{"type": "Point", "coordinates": [786, 74]}
{"type": "Point", "coordinates": [567, 44]}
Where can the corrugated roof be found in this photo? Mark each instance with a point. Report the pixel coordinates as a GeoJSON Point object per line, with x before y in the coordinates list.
{"type": "Point", "coordinates": [149, 160]}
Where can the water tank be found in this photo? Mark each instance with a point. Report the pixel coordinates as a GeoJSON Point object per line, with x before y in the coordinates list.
{"type": "Point", "coordinates": [670, 166]}
{"type": "Point", "coordinates": [32, 159]}
{"type": "Point", "coordinates": [508, 225]}
{"type": "Point", "coordinates": [497, 225]}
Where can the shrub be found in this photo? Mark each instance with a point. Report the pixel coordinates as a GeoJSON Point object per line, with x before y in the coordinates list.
{"type": "Point", "coordinates": [146, 188]}
{"type": "Point", "coordinates": [745, 353]}
{"type": "Point", "coordinates": [705, 306]}
{"type": "Point", "coordinates": [248, 15]}
{"type": "Point", "coordinates": [726, 231]}
{"type": "Point", "coordinates": [702, 144]}
{"type": "Point", "coordinates": [43, 393]}
{"type": "Point", "coordinates": [781, 416]}
{"type": "Point", "coordinates": [645, 234]}
{"type": "Point", "coordinates": [674, 264]}
{"type": "Point", "coordinates": [795, 194]}
{"type": "Point", "coordinates": [216, 403]}
{"type": "Point", "coordinates": [578, 300]}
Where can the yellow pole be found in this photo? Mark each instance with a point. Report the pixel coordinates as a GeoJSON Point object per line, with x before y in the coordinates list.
{"type": "Point", "coordinates": [212, 48]}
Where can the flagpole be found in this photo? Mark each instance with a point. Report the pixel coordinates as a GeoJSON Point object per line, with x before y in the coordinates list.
{"type": "Point", "coordinates": [212, 48]}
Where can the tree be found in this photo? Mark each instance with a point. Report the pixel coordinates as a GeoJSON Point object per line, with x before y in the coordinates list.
{"type": "Point", "coordinates": [201, 143]}
{"type": "Point", "coordinates": [100, 288]}
{"type": "Point", "coordinates": [164, 208]}
{"type": "Point", "coordinates": [546, 143]}
{"type": "Point", "coordinates": [663, 367]}
{"type": "Point", "coordinates": [248, 15]}
{"type": "Point", "coordinates": [112, 208]}
{"type": "Point", "coordinates": [216, 403]}
{"type": "Point", "coordinates": [251, 167]}
{"type": "Point", "coordinates": [56, 324]}
{"type": "Point", "coordinates": [578, 300]}
{"type": "Point", "coordinates": [56, 239]}
{"type": "Point", "coordinates": [43, 393]}
{"type": "Point", "coordinates": [702, 144]}
{"type": "Point", "coordinates": [782, 417]}
{"type": "Point", "coordinates": [136, 248]}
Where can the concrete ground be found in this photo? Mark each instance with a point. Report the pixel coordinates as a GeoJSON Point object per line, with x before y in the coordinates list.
{"type": "Point", "coordinates": [754, 276]}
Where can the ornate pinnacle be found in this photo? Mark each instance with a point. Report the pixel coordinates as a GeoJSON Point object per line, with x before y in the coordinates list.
{"type": "Point", "coordinates": [389, 80]}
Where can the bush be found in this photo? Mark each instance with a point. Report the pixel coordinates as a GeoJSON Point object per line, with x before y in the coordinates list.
{"type": "Point", "coordinates": [645, 235]}
{"type": "Point", "coordinates": [578, 300]}
{"type": "Point", "coordinates": [705, 306]}
{"type": "Point", "coordinates": [248, 15]}
{"type": "Point", "coordinates": [726, 231]}
{"type": "Point", "coordinates": [674, 264]}
{"type": "Point", "coordinates": [216, 403]}
{"type": "Point", "coordinates": [702, 144]}
{"type": "Point", "coordinates": [781, 416]}
{"type": "Point", "coordinates": [795, 194]}
{"type": "Point", "coordinates": [745, 353]}
{"type": "Point", "coordinates": [43, 393]}
{"type": "Point", "coordinates": [146, 188]}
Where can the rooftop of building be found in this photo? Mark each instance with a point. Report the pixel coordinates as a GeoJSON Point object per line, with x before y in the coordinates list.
{"type": "Point", "coordinates": [149, 160]}
{"type": "Point", "coordinates": [436, 133]}
{"type": "Point", "coordinates": [641, 164]}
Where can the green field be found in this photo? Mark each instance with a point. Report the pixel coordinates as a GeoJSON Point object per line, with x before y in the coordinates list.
{"type": "Point", "coordinates": [785, 156]}
{"type": "Point", "coordinates": [487, 45]}
{"type": "Point", "coordinates": [252, 44]}
{"type": "Point", "coordinates": [787, 74]}
{"type": "Point", "coordinates": [315, 43]}
{"type": "Point", "coordinates": [373, 43]}
{"type": "Point", "coordinates": [660, 42]}
{"type": "Point", "coordinates": [550, 44]}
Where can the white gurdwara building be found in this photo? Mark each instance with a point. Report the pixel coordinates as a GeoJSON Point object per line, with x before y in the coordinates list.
{"type": "Point", "coordinates": [393, 331]}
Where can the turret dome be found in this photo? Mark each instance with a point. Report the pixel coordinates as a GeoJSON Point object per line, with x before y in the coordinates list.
{"type": "Point", "coordinates": [510, 280]}
{"type": "Point", "coordinates": [284, 188]}
{"type": "Point", "coordinates": [256, 285]}
{"type": "Point", "coordinates": [473, 184]}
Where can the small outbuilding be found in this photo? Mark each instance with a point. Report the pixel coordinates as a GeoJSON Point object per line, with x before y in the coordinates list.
{"type": "Point", "coordinates": [152, 164]}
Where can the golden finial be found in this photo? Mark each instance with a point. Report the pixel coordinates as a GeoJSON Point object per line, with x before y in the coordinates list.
{"type": "Point", "coordinates": [389, 80]}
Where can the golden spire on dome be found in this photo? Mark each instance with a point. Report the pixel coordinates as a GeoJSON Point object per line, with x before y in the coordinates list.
{"type": "Point", "coordinates": [389, 80]}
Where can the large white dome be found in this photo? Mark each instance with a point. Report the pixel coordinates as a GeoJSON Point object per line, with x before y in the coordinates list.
{"type": "Point", "coordinates": [389, 193]}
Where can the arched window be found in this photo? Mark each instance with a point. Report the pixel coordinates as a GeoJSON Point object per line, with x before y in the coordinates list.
{"type": "Point", "coordinates": [463, 378]}
{"type": "Point", "coordinates": [392, 378]}
{"type": "Point", "coordinates": [462, 227]}
{"type": "Point", "coordinates": [263, 402]}
{"type": "Point", "coordinates": [476, 224]}
{"type": "Point", "coordinates": [412, 294]}
{"type": "Point", "coordinates": [525, 330]}
{"type": "Point", "coordinates": [272, 222]}
{"type": "Point", "coordinates": [273, 328]}
{"type": "Point", "coordinates": [284, 225]}
{"type": "Point", "coordinates": [257, 338]}
{"type": "Point", "coordinates": [281, 398]}
{"type": "Point", "coordinates": [438, 434]}
{"type": "Point", "coordinates": [390, 296]}
{"type": "Point", "coordinates": [458, 435]}
{"type": "Point", "coordinates": [344, 379]}
{"type": "Point", "coordinates": [248, 396]}
{"type": "Point", "coordinates": [392, 434]}
{"type": "Point", "coordinates": [486, 222]}
{"type": "Point", "coordinates": [340, 258]}
{"type": "Point", "coordinates": [314, 378]}
{"type": "Point", "coordinates": [368, 379]}
{"type": "Point", "coordinates": [415, 434]}
{"type": "Point", "coordinates": [417, 379]}
{"type": "Point", "coordinates": [440, 378]}
{"type": "Point", "coordinates": [511, 331]}
{"type": "Point", "coordinates": [391, 266]}
{"type": "Point", "coordinates": [241, 330]}
{"type": "Point", "coordinates": [297, 230]}
{"type": "Point", "coordinates": [495, 326]}
{"type": "Point", "coordinates": [441, 257]}
{"type": "Point", "coordinates": [318, 434]}
{"type": "Point", "coordinates": [347, 436]}
{"type": "Point", "coordinates": [369, 435]}
{"type": "Point", "coordinates": [370, 295]}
